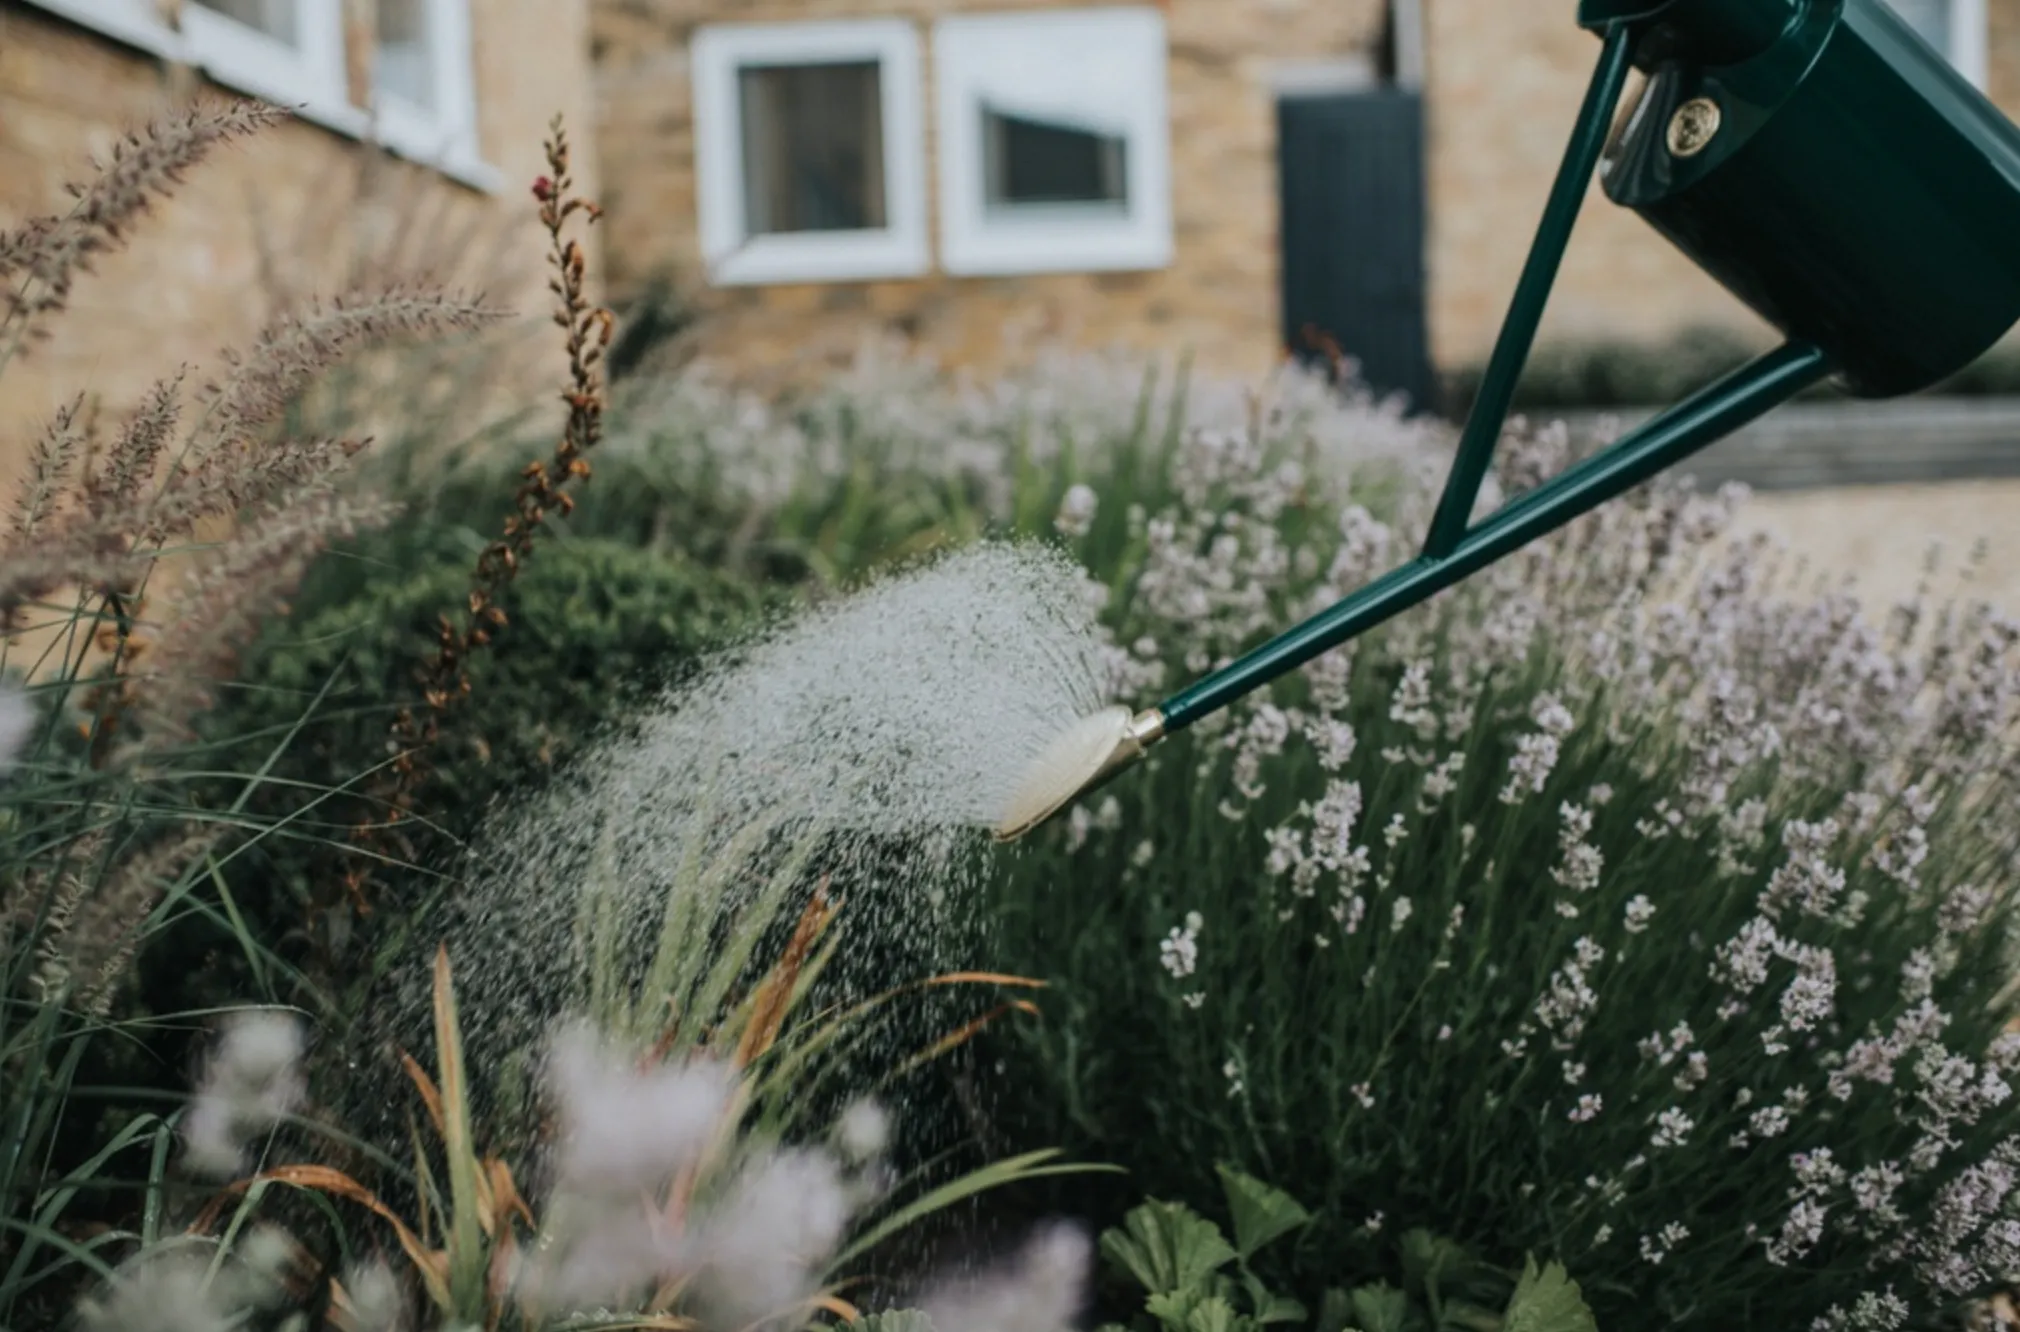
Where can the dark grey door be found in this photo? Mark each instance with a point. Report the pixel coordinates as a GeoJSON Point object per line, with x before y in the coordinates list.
{"type": "Point", "coordinates": [1351, 173]}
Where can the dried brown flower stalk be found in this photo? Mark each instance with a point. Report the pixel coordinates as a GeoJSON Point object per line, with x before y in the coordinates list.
{"type": "Point", "coordinates": [543, 490]}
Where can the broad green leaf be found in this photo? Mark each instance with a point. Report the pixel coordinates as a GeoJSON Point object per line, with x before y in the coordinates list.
{"type": "Point", "coordinates": [1215, 1314]}
{"type": "Point", "coordinates": [1336, 1312]}
{"type": "Point", "coordinates": [1380, 1308]}
{"type": "Point", "coordinates": [1167, 1247]}
{"type": "Point", "coordinates": [1261, 1213]}
{"type": "Point", "coordinates": [1268, 1307]}
{"type": "Point", "coordinates": [1430, 1262]}
{"type": "Point", "coordinates": [1462, 1316]}
{"type": "Point", "coordinates": [1547, 1300]}
{"type": "Point", "coordinates": [1279, 1309]}
{"type": "Point", "coordinates": [1173, 1308]}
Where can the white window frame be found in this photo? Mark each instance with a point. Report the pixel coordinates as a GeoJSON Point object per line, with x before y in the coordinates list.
{"type": "Point", "coordinates": [447, 132]}
{"type": "Point", "coordinates": [730, 254]}
{"type": "Point", "coordinates": [241, 56]}
{"type": "Point", "coordinates": [311, 81]}
{"type": "Point", "coordinates": [1099, 44]}
{"type": "Point", "coordinates": [1967, 44]}
{"type": "Point", "coordinates": [1971, 40]}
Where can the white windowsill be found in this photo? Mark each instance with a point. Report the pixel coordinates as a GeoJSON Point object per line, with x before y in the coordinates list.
{"type": "Point", "coordinates": [132, 23]}
{"type": "Point", "coordinates": [814, 256]}
{"type": "Point", "coordinates": [417, 134]}
{"type": "Point", "coordinates": [1971, 40]}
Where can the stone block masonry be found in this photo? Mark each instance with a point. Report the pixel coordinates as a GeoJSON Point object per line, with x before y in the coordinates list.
{"type": "Point", "coordinates": [1217, 300]}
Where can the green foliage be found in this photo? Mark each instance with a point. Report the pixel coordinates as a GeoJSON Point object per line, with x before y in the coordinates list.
{"type": "Point", "coordinates": [595, 629]}
{"type": "Point", "coordinates": [1260, 1213]}
{"type": "Point", "coordinates": [1168, 1247]}
{"type": "Point", "coordinates": [1180, 1260]}
{"type": "Point", "coordinates": [1547, 1300]}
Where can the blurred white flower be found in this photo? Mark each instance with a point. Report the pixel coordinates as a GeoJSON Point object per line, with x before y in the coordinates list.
{"type": "Point", "coordinates": [864, 1131]}
{"type": "Point", "coordinates": [1076, 511]}
{"type": "Point", "coordinates": [1040, 1290]}
{"type": "Point", "coordinates": [249, 1085]}
{"type": "Point", "coordinates": [624, 1128]}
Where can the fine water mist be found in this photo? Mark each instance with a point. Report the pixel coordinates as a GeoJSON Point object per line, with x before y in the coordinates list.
{"type": "Point", "coordinates": [864, 746]}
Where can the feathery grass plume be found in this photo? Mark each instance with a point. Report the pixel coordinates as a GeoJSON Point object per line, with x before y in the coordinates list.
{"type": "Point", "coordinates": [368, 1299]}
{"type": "Point", "coordinates": [40, 260]}
{"type": "Point", "coordinates": [87, 959]}
{"type": "Point", "coordinates": [46, 898]}
{"type": "Point", "coordinates": [299, 345]}
{"type": "Point", "coordinates": [117, 480]}
{"type": "Point", "coordinates": [49, 467]}
{"type": "Point", "coordinates": [227, 598]}
{"type": "Point", "coordinates": [192, 1286]}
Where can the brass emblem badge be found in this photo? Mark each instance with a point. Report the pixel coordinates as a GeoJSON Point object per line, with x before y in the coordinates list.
{"type": "Point", "coordinates": [1693, 126]}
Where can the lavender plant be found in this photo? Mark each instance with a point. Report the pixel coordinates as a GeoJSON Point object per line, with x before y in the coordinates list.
{"type": "Point", "coordinates": [1624, 905]}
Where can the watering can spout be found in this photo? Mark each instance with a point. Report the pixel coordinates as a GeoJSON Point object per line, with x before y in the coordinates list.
{"type": "Point", "coordinates": [1085, 755]}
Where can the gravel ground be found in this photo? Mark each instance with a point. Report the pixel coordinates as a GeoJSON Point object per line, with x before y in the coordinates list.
{"type": "Point", "coordinates": [1881, 535]}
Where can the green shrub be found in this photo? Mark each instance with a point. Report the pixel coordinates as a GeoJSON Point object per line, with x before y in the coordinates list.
{"type": "Point", "coordinates": [1616, 907]}
{"type": "Point", "coordinates": [595, 629]}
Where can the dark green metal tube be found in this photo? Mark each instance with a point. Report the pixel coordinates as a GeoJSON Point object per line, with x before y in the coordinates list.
{"type": "Point", "coordinates": [1705, 32]}
{"type": "Point", "coordinates": [1532, 293]}
{"type": "Point", "coordinates": [1704, 417]}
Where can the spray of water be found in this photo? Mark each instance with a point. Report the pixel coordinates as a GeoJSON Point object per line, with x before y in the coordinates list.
{"type": "Point", "coordinates": [865, 744]}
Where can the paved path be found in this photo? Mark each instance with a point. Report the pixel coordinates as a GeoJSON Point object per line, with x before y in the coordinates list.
{"type": "Point", "coordinates": [1881, 534]}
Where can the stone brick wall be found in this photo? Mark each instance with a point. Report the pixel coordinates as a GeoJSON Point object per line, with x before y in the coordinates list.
{"type": "Point", "coordinates": [1503, 86]}
{"type": "Point", "coordinates": [1218, 299]}
{"type": "Point", "coordinates": [294, 211]}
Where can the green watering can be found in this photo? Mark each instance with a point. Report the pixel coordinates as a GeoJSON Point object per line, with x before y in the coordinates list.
{"type": "Point", "coordinates": [1819, 160]}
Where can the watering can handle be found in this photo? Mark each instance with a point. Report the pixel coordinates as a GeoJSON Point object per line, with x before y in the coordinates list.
{"type": "Point", "coordinates": [1532, 293]}
{"type": "Point", "coordinates": [1456, 549]}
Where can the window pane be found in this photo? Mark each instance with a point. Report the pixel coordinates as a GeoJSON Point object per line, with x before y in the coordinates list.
{"type": "Point", "coordinates": [813, 147]}
{"type": "Point", "coordinates": [401, 64]}
{"type": "Point", "coordinates": [275, 18]}
{"type": "Point", "coordinates": [1931, 18]}
{"type": "Point", "coordinates": [1030, 161]}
